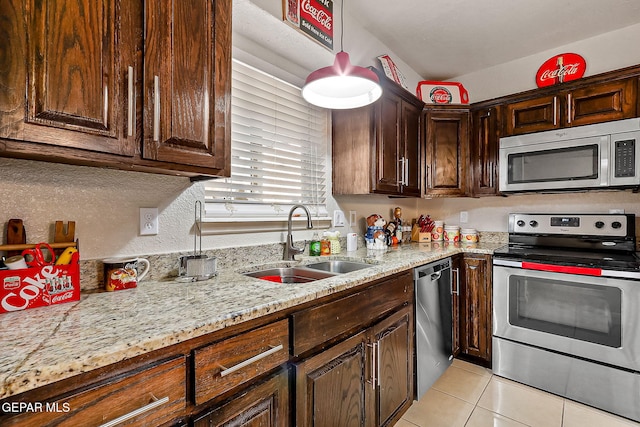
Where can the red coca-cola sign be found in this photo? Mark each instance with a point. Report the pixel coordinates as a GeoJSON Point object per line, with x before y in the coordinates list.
{"type": "Point", "coordinates": [440, 95]}
{"type": "Point", "coordinates": [316, 20]}
{"type": "Point", "coordinates": [561, 68]}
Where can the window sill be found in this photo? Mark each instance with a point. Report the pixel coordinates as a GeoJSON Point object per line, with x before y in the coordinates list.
{"type": "Point", "coordinates": [238, 225]}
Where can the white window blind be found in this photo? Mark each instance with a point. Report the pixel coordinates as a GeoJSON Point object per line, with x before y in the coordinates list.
{"type": "Point", "coordinates": [279, 147]}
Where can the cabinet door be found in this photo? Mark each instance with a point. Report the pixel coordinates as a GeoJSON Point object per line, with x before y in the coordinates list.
{"type": "Point", "coordinates": [72, 58]}
{"type": "Point", "coordinates": [352, 151]}
{"type": "Point", "coordinates": [602, 102]}
{"type": "Point", "coordinates": [484, 152]}
{"type": "Point", "coordinates": [331, 386]}
{"type": "Point", "coordinates": [187, 82]}
{"type": "Point", "coordinates": [475, 307]}
{"type": "Point", "coordinates": [410, 131]}
{"type": "Point", "coordinates": [447, 140]}
{"type": "Point", "coordinates": [393, 365]}
{"type": "Point", "coordinates": [264, 405]}
{"type": "Point", "coordinates": [387, 170]}
{"type": "Point", "coordinates": [532, 115]}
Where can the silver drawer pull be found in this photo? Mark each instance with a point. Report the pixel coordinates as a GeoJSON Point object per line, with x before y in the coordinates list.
{"type": "Point", "coordinates": [227, 371]}
{"type": "Point", "coordinates": [133, 414]}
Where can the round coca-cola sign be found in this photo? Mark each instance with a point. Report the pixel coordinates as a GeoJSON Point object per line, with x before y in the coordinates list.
{"type": "Point", "coordinates": [561, 68]}
{"type": "Point", "coordinates": [440, 95]}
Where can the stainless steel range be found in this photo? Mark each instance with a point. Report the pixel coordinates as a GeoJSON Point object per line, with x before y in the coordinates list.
{"type": "Point", "coordinates": [566, 308]}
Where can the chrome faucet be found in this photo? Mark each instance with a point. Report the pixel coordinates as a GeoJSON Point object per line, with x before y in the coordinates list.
{"type": "Point", "coordinates": [289, 249]}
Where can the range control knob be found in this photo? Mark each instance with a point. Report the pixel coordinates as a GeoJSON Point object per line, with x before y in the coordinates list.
{"type": "Point", "coordinates": [520, 223]}
{"type": "Point", "coordinates": [599, 224]}
{"type": "Point", "coordinates": [533, 223]}
{"type": "Point", "coordinates": [616, 224]}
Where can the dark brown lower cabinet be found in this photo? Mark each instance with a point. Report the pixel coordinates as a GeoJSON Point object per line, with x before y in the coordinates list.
{"type": "Point", "coordinates": [475, 307]}
{"type": "Point", "coordinates": [263, 405]}
{"type": "Point", "coordinates": [365, 380]}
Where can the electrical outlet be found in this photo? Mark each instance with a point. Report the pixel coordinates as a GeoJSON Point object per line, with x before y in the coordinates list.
{"type": "Point", "coordinates": [148, 221]}
{"type": "Point", "coordinates": [338, 218]}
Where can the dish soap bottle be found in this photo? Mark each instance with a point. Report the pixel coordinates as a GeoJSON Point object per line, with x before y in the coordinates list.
{"type": "Point", "coordinates": [314, 246]}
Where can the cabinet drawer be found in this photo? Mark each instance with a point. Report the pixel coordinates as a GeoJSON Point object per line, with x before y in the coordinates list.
{"type": "Point", "coordinates": [321, 323]}
{"type": "Point", "coordinates": [151, 396]}
{"type": "Point", "coordinates": [221, 366]}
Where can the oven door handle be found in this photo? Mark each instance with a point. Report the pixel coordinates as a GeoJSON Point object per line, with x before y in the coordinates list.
{"type": "Point", "coordinates": [507, 263]}
{"type": "Point", "coordinates": [566, 269]}
{"type": "Point", "coordinates": [552, 268]}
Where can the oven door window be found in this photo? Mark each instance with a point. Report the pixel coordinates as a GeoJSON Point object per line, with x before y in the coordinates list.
{"type": "Point", "coordinates": [561, 164]}
{"type": "Point", "coordinates": [584, 312]}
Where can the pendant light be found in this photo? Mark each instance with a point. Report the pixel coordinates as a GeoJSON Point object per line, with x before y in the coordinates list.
{"type": "Point", "coordinates": [342, 85]}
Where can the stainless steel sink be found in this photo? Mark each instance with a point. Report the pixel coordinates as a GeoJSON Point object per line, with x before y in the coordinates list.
{"type": "Point", "coordinates": [339, 266]}
{"type": "Point", "coordinates": [290, 274]}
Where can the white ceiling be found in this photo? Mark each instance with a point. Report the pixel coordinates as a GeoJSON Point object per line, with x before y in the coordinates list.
{"type": "Point", "coordinates": [443, 39]}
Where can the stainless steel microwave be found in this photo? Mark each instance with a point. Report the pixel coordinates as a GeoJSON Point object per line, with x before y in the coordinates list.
{"type": "Point", "coordinates": [585, 157]}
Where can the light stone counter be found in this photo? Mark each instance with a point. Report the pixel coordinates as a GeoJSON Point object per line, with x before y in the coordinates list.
{"type": "Point", "coordinates": [44, 345]}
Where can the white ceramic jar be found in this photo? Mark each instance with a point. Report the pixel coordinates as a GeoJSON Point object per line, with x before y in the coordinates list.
{"type": "Point", "coordinates": [469, 235]}
{"type": "Point", "coordinates": [452, 233]}
{"type": "Point", "coordinates": [437, 234]}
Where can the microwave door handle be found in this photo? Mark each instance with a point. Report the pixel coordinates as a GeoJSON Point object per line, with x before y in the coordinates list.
{"type": "Point", "coordinates": [606, 166]}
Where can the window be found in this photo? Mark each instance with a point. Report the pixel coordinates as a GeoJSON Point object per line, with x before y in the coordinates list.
{"type": "Point", "coordinates": [279, 147]}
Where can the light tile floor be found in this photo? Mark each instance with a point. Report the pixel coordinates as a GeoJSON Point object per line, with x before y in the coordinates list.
{"type": "Point", "coordinates": [468, 395]}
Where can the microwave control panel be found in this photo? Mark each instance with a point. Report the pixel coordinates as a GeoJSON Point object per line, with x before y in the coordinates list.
{"type": "Point", "coordinates": [625, 158]}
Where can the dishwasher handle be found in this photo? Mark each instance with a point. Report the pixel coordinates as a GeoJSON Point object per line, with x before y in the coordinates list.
{"type": "Point", "coordinates": [434, 270]}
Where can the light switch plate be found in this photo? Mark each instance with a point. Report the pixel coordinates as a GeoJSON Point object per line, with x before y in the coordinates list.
{"type": "Point", "coordinates": [464, 217]}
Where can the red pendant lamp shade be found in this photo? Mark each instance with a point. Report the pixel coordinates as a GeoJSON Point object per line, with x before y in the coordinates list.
{"type": "Point", "coordinates": [342, 85]}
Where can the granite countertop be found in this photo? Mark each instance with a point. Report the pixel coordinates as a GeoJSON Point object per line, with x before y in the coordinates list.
{"type": "Point", "coordinates": [44, 345]}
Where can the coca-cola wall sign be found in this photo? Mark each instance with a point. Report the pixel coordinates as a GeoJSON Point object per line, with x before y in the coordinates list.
{"type": "Point", "coordinates": [312, 17]}
{"type": "Point", "coordinates": [561, 68]}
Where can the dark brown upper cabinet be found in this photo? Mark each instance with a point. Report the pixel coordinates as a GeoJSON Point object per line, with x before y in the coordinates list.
{"type": "Point", "coordinates": [130, 85]}
{"type": "Point", "coordinates": [376, 149]}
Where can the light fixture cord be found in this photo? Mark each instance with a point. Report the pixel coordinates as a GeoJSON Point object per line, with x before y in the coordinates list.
{"type": "Point", "coordinates": [342, 25]}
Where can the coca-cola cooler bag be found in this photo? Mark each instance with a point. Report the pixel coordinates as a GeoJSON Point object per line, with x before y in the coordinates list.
{"type": "Point", "coordinates": [432, 92]}
{"type": "Point", "coordinates": [39, 286]}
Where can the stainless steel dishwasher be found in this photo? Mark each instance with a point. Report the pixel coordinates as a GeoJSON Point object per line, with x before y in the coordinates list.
{"type": "Point", "coordinates": [434, 332]}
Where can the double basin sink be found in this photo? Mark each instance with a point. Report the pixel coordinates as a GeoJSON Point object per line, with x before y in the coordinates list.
{"type": "Point", "coordinates": [308, 272]}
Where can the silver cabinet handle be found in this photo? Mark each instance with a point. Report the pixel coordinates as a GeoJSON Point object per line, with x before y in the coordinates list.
{"type": "Point", "coordinates": [156, 108]}
{"type": "Point", "coordinates": [374, 363]}
{"type": "Point", "coordinates": [105, 115]}
{"type": "Point", "coordinates": [227, 371]}
{"type": "Point", "coordinates": [569, 108]}
{"type": "Point", "coordinates": [131, 102]}
{"type": "Point", "coordinates": [401, 161]}
{"type": "Point", "coordinates": [377, 379]}
{"type": "Point", "coordinates": [406, 173]}
{"type": "Point", "coordinates": [490, 174]}
{"type": "Point", "coordinates": [457, 291]}
{"type": "Point", "coordinates": [133, 414]}
{"type": "Point", "coordinates": [555, 110]}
